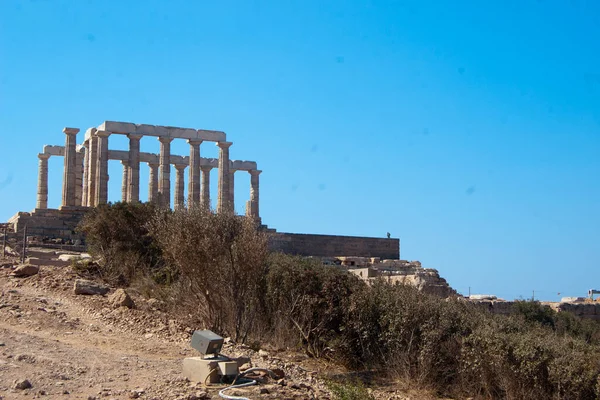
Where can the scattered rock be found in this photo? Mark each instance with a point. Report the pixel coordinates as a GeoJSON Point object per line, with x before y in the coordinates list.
{"type": "Point", "coordinates": [202, 395]}
{"type": "Point", "coordinates": [22, 384]}
{"type": "Point", "coordinates": [83, 286]}
{"type": "Point", "coordinates": [25, 270]}
{"type": "Point", "coordinates": [120, 298]}
{"type": "Point", "coordinates": [262, 353]}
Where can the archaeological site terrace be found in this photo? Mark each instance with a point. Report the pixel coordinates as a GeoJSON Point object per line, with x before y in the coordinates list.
{"type": "Point", "coordinates": [85, 184]}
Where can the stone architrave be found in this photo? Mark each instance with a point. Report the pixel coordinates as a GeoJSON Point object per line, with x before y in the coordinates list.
{"type": "Point", "coordinates": [205, 201]}
{"type": "Point", "coordinates": [42, 189]}
{"type": "Point", "coordinates": [232, 188]}
{"type": "Point", "coordinates": [69, 175]}
{"type": "Point", "coordinates": [125, 182]}
{"type": "Point", "coordinates": [93, 168]}
{"type": "Point", "coordinates": [102, 168]}
{"type": "Point", "coordinates": [86, 173]}
{"type": "Point", "coordinates": [179, 186]}
{"type": "Point", "coordinates": [164, 179]}
{"type": "Point", "coordinates": [153, 184]}
{"type": "Point", "coordinates": [223, 200]}
{"type": "Point", "coordinates": [194, 174]}
{"type": "Point", "coordinates": [254, 212]}
{"type": "Point", "coordinates": [133, 190]}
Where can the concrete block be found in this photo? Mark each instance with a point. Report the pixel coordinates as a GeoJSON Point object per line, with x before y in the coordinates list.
{"type": "Point", "coordinates": [228, 368]}
{"type": "Point", "coordinates": [202, 370]}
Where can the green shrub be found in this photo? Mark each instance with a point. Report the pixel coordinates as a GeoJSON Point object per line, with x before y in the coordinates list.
{"type": "Point", "coordinates": [349, 391]}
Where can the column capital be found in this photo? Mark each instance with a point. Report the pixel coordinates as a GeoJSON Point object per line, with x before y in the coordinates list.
{"type": "Point", "coordinates": [135, 136]}
{"type": "Point", "coordinates": [125, 162]}
{"type": "Point", "coordinates": [71, 131]}
{"type": "Point", "coordinates": [43, 156]}
{"type": "Point", "coordinates": [206, 168]}
{"type": "Point", "coordinates": [180, 167]}
{"type": "Point", "coordinates": [224, 145]}
{"type": "Point", "coordinates": [254, 172]}
{"type": "Point", "coordinates": [104, 134]}
{"type": "Point", "coordinates": [153, 164]}
{"type": "Point", "coordinates": [195, 142]}
{"type": "Point", "coordinates": [232, 170]}
{"type": "Point", "coordinates": [164, 139]}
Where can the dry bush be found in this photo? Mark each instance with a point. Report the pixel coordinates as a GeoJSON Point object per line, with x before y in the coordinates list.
{"type": "Point", "coordinates": [221, 261]}
{"type": "Point", "coordinates": [117, 237]}
{"type": "Point", "coordinates": [307, 301]}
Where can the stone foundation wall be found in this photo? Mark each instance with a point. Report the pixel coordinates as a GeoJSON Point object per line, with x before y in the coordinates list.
{"type": "Point", "coordinates": [332, 246]}
{"type": "Point", "coordinates": [50, 223]}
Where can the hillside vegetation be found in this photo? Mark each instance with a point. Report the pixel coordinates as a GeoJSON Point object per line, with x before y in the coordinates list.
{"type": "Point", "coordinates": [215, 271]}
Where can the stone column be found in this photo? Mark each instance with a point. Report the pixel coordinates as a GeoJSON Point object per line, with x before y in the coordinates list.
{"type": "Point", "coordinates": [231, 189]}
{"type": "Point", "coordinates": [125, 181]}
{"type": "Point", "coordinates": [93, 168]}
{"type": "Point", "coordinates": [102, 168]}
{"type": "Point", "coordinates": [153, 186]}
{"type": "Point", "coordinates": [86, 173]}
{"type": "Point", "coordinates": [179, 186]}
{"type": "Point", "coordinates": [254, 193]}
{"type": "Point", "coordinates": [69, 174]}
{"type": "Point", "coordinates": [194, 174]}
{"type": "Point", "coordinates": [133, 191]}
{"type": "Point", "coordinates": [164, 179]}
{"type": "Point", "coordinates": [205, 202]}
{"type": "Point", "coordinates": [79, 157]}
{"type": "Point", "coordinates": [223, 200]}
{"type": "Point", "coordinates": [42, 189]}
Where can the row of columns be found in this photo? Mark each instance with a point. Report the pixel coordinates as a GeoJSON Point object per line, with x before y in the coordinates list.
{"type": "Point", "coordinates": [85, 175]}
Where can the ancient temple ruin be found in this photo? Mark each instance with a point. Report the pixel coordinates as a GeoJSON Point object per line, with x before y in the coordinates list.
{"type": "Point", "coordinates": [85, 185]}
{"type": "Point", "coordinates": [85, 177]}
{"type": "Point", "coordinates": [85, 174]}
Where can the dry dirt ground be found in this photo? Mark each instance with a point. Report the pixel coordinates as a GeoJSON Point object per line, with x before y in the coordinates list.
{"type": "Point", "coordinates": [80, 347]}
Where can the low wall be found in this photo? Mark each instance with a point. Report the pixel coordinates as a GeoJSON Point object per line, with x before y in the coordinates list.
{"type": "Point", "coordinates": [332, 246]}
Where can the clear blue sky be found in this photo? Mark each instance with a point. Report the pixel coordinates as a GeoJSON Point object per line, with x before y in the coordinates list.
{"type": "Point", "coordinates": [469, 129]}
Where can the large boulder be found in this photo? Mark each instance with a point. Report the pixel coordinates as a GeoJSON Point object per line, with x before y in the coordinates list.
{"type": "Point", "coordinates": [83, 286]}
{"type": "Point", "coordinates": [120, 298]}
{"type": "Point", "coordinates": [25, 270]}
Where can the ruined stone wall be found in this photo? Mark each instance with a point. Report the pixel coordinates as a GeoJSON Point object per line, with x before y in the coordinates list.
{"type": "Point", "coordinates": [331, 246]}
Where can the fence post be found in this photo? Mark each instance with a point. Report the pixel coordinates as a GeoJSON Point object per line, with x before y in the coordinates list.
{"type": "Point", "coordinates": [24, 245]}
{"type": "Point", "coordinates": [4, 243]}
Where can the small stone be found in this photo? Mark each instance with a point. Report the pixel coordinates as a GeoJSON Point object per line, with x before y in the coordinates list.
{"type": "Point", "coordinates": [262, 353]}
{"type": "Point", "coordinates": [120, 298]}
{"type": "Point", "coordinates": [2, 344]}
{"type": "Point", "coordinates": [22, 384]}
{"type": "Point", "coordinates": [264, 390]}
{"type": "Point", "coordinates": [83, 286]}
{"type": "Point", "coordinates": [25, 270]}
{"type": "Point", "coordinates": [245, 366]}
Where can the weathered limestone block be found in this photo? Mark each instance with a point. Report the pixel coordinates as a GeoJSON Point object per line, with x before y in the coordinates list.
{"type": "Point", "coordinates": [25, 270]}
{"type": "Point", "coordinates": [120, 298]}
{"type": "Point", "coordinates": [83, 286]}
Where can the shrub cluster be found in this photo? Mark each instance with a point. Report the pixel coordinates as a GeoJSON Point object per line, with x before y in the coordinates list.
{"type": "Point", "coordinates": [222, 278]}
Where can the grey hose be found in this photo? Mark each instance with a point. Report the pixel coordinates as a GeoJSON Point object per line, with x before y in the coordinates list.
{"type": "Point", "coordinates": [245, 384]}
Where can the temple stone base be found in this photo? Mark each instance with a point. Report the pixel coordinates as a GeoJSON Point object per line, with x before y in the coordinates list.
{"type": "Point", "coordinates": [50, 223]}
{"type": "Point", "coordinates": [332, 245]}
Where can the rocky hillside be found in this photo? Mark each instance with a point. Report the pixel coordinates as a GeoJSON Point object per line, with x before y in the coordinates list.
{"type": "Point", "coordinates": [55, 343]}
